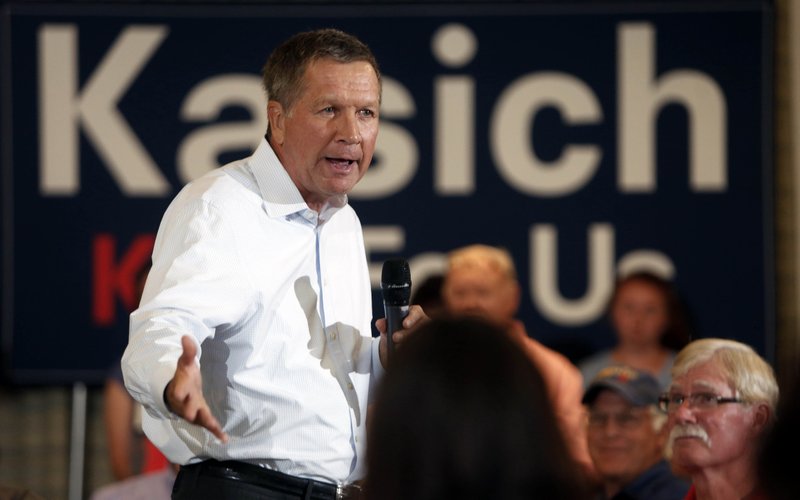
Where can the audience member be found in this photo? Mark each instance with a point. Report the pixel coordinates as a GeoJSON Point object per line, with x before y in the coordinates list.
{"type": "Point", "coordinates": [428, 295]}
{"type": "Point", "coordinates": [463, 414]}
{"type": "Point", "coordinates": [252, 351]}
{"type": "Point", "coordinates": [627, 436]}
{"type": "Point", "coordinates": [650, 325]}
{"type": "Point", "coordinates": [481, 281]}
{"type": "Point", "coordinates": [720, 404]}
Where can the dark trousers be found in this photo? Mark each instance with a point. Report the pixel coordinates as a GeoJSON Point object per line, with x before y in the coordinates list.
{"type": "Point", "coordinates": [213, 480]}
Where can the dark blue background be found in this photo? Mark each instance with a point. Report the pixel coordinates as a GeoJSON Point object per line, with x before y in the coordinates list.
{"type": "Point", "coordinates": [720, 243]}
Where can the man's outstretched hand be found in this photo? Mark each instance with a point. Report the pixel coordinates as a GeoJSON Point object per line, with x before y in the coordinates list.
{"type": "Point", "coordinates": [184, 393]}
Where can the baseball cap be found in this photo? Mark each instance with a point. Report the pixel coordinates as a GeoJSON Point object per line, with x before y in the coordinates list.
{"type": "Point", "coordinates": [637, 387]}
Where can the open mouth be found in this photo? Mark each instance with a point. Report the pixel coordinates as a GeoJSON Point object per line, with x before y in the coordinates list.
{"type": "Point", "coordinates": [342, 164]}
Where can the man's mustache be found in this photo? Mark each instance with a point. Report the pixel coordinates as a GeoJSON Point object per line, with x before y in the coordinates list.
{"type": "Point", "coordinates": [689, 430]}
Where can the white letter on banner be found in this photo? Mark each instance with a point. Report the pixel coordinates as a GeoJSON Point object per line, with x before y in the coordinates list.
{"type": "Point", "coordinates": [454, 45]}
{"type": "Point", "coordinates": [199, 152]}
{"type": "Point", "coordinates": [62, 110]}
{"type": "Point", "coordinates": [646, 260]}
{"type": "Point", "coordinates": [424, 265]}
{"type": "Point", "coordinates": [641, 97]}
{"type": "Point", "coordinates": [544, 275]}
{"type": "Point", "coordinates": [454, 166]}
{"type": "Point", "coordinates": [396, 156]}
{"type": "Point", "coordinates": [510, 134]}
{"type": "Point", "coordinates": [382, 239]}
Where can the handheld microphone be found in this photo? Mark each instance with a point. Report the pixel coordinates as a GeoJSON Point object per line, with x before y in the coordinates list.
{"type": "Point", "coordinates": [396, 289]}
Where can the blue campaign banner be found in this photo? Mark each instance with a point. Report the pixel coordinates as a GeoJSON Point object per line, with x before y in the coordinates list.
{"type": "Point", "coordinates": [586, 139]}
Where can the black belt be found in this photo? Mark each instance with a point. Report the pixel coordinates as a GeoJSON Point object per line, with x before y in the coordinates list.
{"type": "Point", "coordinates": [275, 481]}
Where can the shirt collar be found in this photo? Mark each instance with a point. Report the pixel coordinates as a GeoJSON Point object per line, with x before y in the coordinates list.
{"type": "Point", "coordinates": [281, 196]}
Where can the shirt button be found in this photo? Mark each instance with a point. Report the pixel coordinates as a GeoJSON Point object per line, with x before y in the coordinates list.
{"type": "Point", "coordinates": [350, 385]}
{"type": "Point", "coordinates": [333, 336]}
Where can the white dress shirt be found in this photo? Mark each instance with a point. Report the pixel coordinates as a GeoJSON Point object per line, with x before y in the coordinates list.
{"type": "Point", "coordinates": [278, 299]}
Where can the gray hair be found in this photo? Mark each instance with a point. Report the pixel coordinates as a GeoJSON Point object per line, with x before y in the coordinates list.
{"type": "Point", "coordinates": [283, 73]}
{"type": "Point", "coordinates": [752, 378]}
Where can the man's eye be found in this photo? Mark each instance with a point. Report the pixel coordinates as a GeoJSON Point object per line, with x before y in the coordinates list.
{"type": "Point", "coordinates": [704, 398]}
{"type": "Point", "coordinates": [676, 399]}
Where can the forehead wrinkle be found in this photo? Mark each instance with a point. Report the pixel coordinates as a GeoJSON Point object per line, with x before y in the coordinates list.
{"type": "Point", "coordinates": [701, 385]}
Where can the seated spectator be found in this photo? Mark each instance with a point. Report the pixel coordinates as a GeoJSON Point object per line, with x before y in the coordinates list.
{"type": "Point", "coordinates": [720, 404]}
{"type": "Point", "coordinates": [650, 325]}
{"type": "Point", "coordinates": [627, 435]}
{"type": "Point", "coordinates": [481, 281]}
{"type": "Point", "coordinates": [464, 414]}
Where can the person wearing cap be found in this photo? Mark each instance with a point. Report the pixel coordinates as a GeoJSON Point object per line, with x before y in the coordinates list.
{"type": "Point", "coordinates": [626, 436]}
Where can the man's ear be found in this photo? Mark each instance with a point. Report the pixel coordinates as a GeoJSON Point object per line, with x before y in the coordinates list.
{"type": "Point", "coordinates": [761, 417]}
{"type": "Point", "coordinates": [276, 116]}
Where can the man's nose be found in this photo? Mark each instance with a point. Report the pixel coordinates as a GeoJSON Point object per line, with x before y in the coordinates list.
{"type": "Point", "coordinates": [683, 413]}
{"type": "Point", "coordinates": [348, 130]}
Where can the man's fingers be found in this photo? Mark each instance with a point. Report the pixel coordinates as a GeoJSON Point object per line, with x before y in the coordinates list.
{"type": "Point", "coordinates": [397, 337]}
{"type": "Point", "coordinates": [197, 412]}
{"type": "Point", "coordinates": [184, 392]}
{"type": "Point", "coordinates": [207, 420]}
{"type": "Point", "coordinates": [416, 316]}
{"type": "Point", "coordinates": [189, 351]}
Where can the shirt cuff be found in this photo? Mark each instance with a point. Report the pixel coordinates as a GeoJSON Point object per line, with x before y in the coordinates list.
{"type": "Point", "coordinates": [157, 407]}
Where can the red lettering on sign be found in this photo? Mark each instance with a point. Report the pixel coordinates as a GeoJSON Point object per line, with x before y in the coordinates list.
{"type": "Point", "coordinates": [116, 277]}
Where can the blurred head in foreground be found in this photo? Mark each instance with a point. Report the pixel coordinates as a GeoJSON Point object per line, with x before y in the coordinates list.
{"type": "Point", "coordinates": [462, 413]}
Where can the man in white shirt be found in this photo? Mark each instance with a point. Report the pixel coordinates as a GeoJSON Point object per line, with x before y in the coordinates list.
{"type": "Point", "coordinates": [252, 350]}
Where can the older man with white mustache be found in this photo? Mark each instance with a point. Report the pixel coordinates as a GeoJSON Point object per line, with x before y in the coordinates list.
{"type": "Point", "coordinates": [720, 403]}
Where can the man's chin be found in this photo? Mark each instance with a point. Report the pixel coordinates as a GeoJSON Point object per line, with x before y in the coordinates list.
{"type": "Point", "coordinates": [686, 451]}
{"type": "Point", "coordinates": [688, 442]}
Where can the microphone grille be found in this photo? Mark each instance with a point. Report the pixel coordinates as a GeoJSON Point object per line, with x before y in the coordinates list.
{"type": "Point", "coordinates": [396, 282]}
{"type": "Point", "coordinates": [395, 272]}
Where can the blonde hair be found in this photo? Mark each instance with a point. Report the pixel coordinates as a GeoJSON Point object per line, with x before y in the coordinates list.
{"type": "Point", "coordinates": [483, 256]}
{"type": "Point", "coordinates": [752, 378]}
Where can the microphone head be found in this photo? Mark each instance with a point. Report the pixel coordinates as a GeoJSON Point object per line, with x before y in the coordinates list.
{"type": "Point", "coordinates": [396, 282]}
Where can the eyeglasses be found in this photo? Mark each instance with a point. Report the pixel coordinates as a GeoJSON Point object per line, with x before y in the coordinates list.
{"type": "Point", "coordinates": [669, 403]}
{"type": "Point", "coordinates": [624, 420]}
